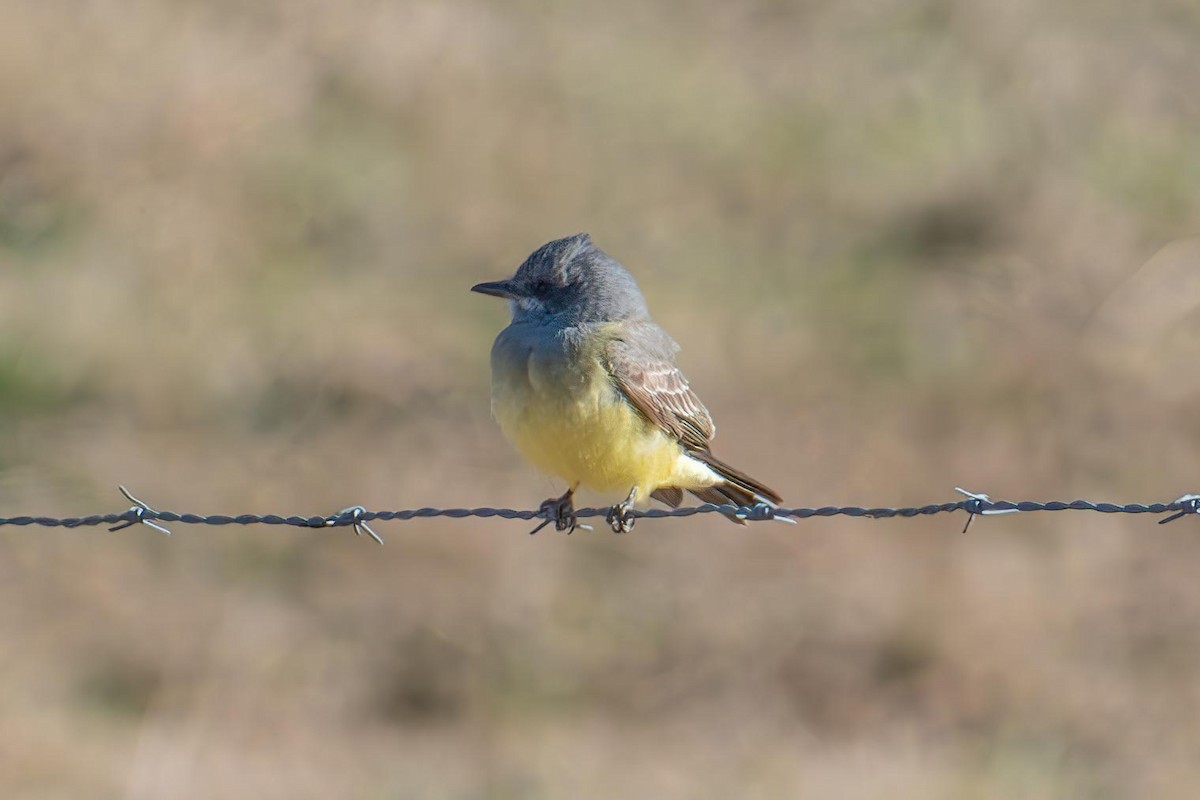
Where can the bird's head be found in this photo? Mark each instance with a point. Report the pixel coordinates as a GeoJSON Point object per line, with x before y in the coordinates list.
{"type": "Point", "coordinates": [570, 280]}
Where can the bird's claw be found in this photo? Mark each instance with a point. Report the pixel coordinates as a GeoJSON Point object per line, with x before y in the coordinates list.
{"type": "Point", "coordinates": [560, 511]}
{"type": "Point", "coordinates": [620, 518]}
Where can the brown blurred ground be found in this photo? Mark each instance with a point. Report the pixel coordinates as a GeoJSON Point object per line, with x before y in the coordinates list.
{"type": "Point", "coordinates": [905, 246]}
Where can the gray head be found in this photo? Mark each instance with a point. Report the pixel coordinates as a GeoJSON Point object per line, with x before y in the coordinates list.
{"type": "Point", "coordinates": [572, 280]}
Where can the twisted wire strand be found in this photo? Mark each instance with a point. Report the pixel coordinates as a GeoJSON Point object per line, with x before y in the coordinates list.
{"type": "Point", "coordinates": [359, 518]}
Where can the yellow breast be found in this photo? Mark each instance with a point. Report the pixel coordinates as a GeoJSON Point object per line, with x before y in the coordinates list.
{"type": "Point", "coordinates": [573, 423]}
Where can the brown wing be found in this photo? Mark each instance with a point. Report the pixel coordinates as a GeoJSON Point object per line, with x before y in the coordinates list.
{"type": "Point", "coordinates": [642, 363]}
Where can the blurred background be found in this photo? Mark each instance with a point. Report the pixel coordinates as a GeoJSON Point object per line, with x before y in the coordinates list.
{"type": "Point", "coordinates": [905, 246]}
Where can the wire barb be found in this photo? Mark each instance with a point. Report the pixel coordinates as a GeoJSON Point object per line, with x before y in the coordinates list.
{"type": "Point", "coordinates": [353, 515]}
{"type": "Point", "coordinates": [137, 513]}
{"type": "Point", "coordinates": [980, 504]}
{"type": "Point", "coordinates": [760, 512]}
{"type": "Point", "coordinates": [1187, 504]}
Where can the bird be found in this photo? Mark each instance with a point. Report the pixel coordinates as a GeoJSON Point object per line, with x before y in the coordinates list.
{"type": "Point", "coordinates": [585, 385]}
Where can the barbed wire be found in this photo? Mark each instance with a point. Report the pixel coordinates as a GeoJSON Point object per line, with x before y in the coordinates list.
{"type": "Point", "coordinates": [359, 518]}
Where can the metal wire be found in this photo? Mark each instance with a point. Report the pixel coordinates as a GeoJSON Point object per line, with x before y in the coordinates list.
{"type": "Point", "coordinates": [358, 518]}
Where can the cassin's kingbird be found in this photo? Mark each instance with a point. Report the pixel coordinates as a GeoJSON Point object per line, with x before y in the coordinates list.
{"type": "Point", "coordinates": [585, 385]}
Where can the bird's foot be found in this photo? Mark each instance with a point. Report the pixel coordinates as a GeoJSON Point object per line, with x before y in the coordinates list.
{"type": "Point", "coordinates": [560, 511]}
{"type": "Point", "coordinates": [620, 517]}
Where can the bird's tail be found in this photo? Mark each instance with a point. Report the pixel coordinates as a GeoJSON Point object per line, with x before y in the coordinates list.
{"type": "Point", "coordinates": [737, 488]}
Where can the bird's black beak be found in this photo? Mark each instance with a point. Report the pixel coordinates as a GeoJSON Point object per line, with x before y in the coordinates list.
{"type": "Point", "coordinates": [496, 289]}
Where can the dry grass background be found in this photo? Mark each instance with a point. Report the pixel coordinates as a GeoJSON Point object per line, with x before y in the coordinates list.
{"type": "Point", "coordinates": [905, 245]}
